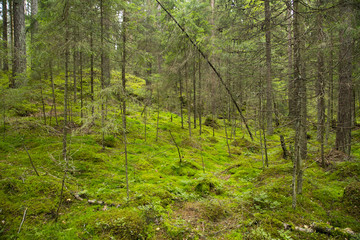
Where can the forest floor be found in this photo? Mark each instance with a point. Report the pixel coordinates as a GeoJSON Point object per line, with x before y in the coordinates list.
{"type": "Point", "coordinates": [208, 195]}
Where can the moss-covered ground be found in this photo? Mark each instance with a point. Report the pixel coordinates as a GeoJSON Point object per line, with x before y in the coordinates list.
{"type": "Point", "coordinates": [209, 195]}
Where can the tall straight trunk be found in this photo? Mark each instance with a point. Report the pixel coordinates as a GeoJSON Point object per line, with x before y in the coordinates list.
{"type": "Point", "coordinates": [298, 90]}
{"type": "Point", "coordinates": [102, 67]}
{"type": "Point", "coordinates": [345, 101]}
{"type": "Point", "coordinates": [291, 83]}
{"type": "Point", "coordinates": [53, 91]}
{"type": "Point", "coordinates": [92, 73]}
{"type": "Point", "coordinates": [81, 87]}
{"type": "Point", "coordinates": [158, 113]}
{"type": "Point", "coordinates": [34, 27]}
{"type": "Point", "coordinates": [181, 102]}
{"type": "Point", "coordinates": [330, 105]}
{"type": "Point", "coordinates": [194, 91]}
{"type": "Point", "coordinates": [19, 58]}
{"type": "Point", "coordinates": [74, 75]}
{"type": "Point", "coordinates": [5, 36]}
{"type": "Point", "coordinates": [199, 97]}
{"type": "Point", "coordinates": [320, 87]}
{"type": "Point", "coordinates": [104, 36]}
{"type": "Point", "coordinates": [11, 13]}
{"type": "Point", "coordinates": [65, 127]}
{"type": "Point", "coordinates": [188, 98]}
{"type": "Point", "coordinates": [123, 68]}
{"type": "Point", "coordinates": [227, 139]}
{"type": "Point", "coordinates": [269, 91]}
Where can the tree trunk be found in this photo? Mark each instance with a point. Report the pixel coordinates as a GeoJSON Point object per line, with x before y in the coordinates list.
{"type": "Point", "coordinates": [320, 86]}
{"type": "Point", "coordinates": [92, 73]}
{"type": "Point", "coordinates": [19, 59]}
{"type": "Point", "coordinates": [53, 91]}
{"type": "Point", "coordinates": [123, 78]}
{"type": "Point", "coordinates": [81, 87]}
{"type": "Point", "coordinates": [194, 91]}
{"type": "Point", "coordinates": [269, 105]}
{"type": "Point", "coordinates": [291, 83]}
{"type": "Point", "coordinates": [199, 96]}
{"type": "Point", "coordinates": [74, 75]}
{"type": "Point", "coordinates": [344, 122]}
{"type": "Point", "coordinates": [5, 36]}
{"type": "Point", "coordinates": [298, 92]}
{"type": "Point", "coordinates": [181, 102]}
{"type": "Point", "coordinates": [34, 28]}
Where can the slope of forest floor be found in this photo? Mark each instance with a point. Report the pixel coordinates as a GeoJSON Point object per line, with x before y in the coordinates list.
{"type": "Point", "coordinates": [208, 195]}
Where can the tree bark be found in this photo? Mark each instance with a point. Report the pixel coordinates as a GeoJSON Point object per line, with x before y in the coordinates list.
{"type": "Point", "coordinates": [123, 78]}
{"type": "Point", "coordinates": [19, 59]}
{"type": "Point", "coordinates": [320, 86]}
{"type": "Point", "coordinates": [5, 36]}
{"type": "Point", "coordinates": [53, 91]}
{"type": "Point", "coordinates": [269, 91]}
{"type": "Point", "coordinates": [344, 122]}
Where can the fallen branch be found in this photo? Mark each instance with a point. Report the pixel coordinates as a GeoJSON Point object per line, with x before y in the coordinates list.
{"type": "Point", "coordinates": [23, 219]}
{"type": "Point", "coordinates": [324, 229]}
{"type": "Point", "coordinates": [231, 167]}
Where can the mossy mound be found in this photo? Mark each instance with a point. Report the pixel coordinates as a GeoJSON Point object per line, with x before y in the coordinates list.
{"type": "Point", "coordinates": [244, 143]}
{"type": "Point", "coordinates": [207, 185]}
{"type": "Point", "coordinates": [347, 169]}
{"type": "Point", "coordinates": [210, 122]}
{"type": "Point", "coordinates": [352, 198]}
{"type": "Point", "coordinates": [120, 224]}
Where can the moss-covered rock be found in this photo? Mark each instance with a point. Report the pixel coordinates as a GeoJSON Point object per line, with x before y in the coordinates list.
{"type": "Point", "coordinates": [351, 198]}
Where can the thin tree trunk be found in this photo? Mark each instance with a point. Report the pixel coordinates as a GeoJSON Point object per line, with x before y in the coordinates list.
{"type": "Point", "coordinates": [194, 91]}
{"type": "Point", "coordinates": [199, 97]}
{"type": "Point", "coordinates": [320, 87]}
{"type": "Point", "coordinates": [123, 77]}
{"type": "Point", "coordinates": [81, 88]}
{"type": "Point", "coordinates": [92, 73]}
{"type": "Point", "coordinates": [177, 147]}
{"type": "Point", "coordinates": [269, 104]}
{"type": "Point", "coordinates": [5, 36]}
{"type": "Point", "coordinates": [181, 103]}
{"type": "Point", "coordinates": [65, 127]}
{"type": "Point", "coordinates": [158, 113]}
{"type": "Point", "coordinates": [74, 75]}
{"type": "Point", "coordinates": [53, 91]}
{"type": "Point", "coordinates": [227, 139]}
{"type": "Point", "coordinates": [188, 98]}
{"type": "Point", "coordinates": [291, 83]}
{"type": "Point", "coordinates": [42, 102]}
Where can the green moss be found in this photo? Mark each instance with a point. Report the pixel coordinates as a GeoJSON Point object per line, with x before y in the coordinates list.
{"type": "Point", "coordinates": [352, 198]}
{"type": "Point", "coordinates": [124, 224]}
